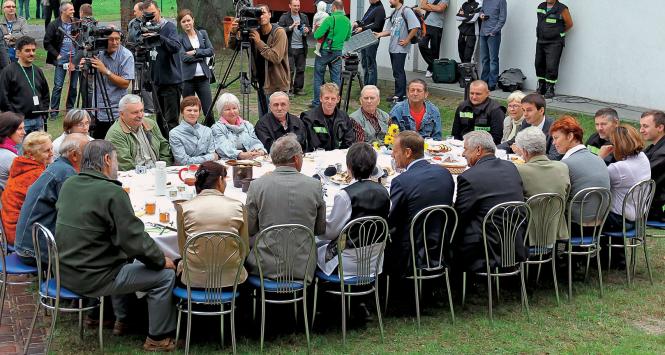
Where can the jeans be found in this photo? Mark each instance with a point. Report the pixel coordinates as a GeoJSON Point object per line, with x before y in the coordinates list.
{"type": "Point", "coordinates": [58, 82]}
{"type": "Point", "coordinates": [398, 60]}
{"type": "Point", "coordinates": [167, 99]}
{"type": "Point", "coordinates": [33, 125]}
{"type": "Point", "coordinates": [199, 86]}
{"type": "Point", "coordinates": [430, 45]}
{"type": "Point", "coordinates": [158, 284]}
{"type": "Point", "coordinates": [297, 59]}
{"type": "Point", "coordinates": [24, 8]}
{"type": "Point", "coordinates": [368, 62]}
{"type": "Point", "coordinates": [331, 60]}
{"type": "Point", "coordinates": [489, 58]}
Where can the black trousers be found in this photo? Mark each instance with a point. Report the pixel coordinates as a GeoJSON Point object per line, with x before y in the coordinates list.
{"type": "Point", "coordinates": [167, 99]}
{"type": "Point", "coordinates": [100, 129]}
{"type": "Point", "coordinates": [199, 86]}
{"type": "Point", "coordinates": [53, 7]}
{"type": "Point", "coordinates": [430, 45]}
{"type": "Point", "coordinates": [297, 58]}
{"type": "Point", "coordinates": [262, 98]}
{"type": "Point", "coordinates": [548, 56]}
{"type": "Point", "coordinates": [465, 47]}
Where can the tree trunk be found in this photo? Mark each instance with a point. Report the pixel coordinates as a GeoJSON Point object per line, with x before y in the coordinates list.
{"type": "Point", "coordinates": [126, 13]}
{"type": "Point", "coordinates": [209, 15]}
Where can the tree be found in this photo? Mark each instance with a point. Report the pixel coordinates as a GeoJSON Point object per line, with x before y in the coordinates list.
{"type": "Point", "coordinates": [209, 15]}
{"type": "Point", "coordinates": [126, 13]}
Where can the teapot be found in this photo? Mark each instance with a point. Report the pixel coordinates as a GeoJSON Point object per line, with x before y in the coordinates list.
{"type": "Point", "coordinates": [188, 174]}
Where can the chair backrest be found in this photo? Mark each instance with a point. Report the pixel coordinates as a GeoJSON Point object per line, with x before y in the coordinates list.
{"type": "Point", "coordinates": [505, 223]}
{"type": "Point", "coordinates": [52, 271]}
{"type": "Point", "coordinates": [3, 245]}
{"type": "Point", "coordinates": [599, 199]}
{"type": "Point", "coordinates": [443, 217]}
{"type": "Point", "coordinates": [639, 197]}
{"type": "Point", "coordinates": [547, 211]}
{"type": "Point", "coordinates": [219, 256]}
{"type": "Point", "coordinates": [366, 237]}
{"type": "Point", "coordinates": [284, 248]}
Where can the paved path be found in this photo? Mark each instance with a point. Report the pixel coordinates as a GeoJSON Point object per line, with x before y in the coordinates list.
{"type": "Point", "coordinates": [17, 314]}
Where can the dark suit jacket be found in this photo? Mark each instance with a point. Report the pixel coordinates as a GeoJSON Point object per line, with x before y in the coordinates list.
{"type": "Point", "coordinates": [204, 51]}
{"type": "Point", "coordinates": [550, 149]}
{"type": "Point", "coordinates": [421, 186]}
{"type": "Point", "coordinates": [656, 155]}
{"type": "Point", "coordinates": [489, 182]}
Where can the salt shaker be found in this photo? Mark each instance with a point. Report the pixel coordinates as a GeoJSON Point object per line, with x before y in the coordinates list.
{"type": "Point", "coordinates": [160, 178]}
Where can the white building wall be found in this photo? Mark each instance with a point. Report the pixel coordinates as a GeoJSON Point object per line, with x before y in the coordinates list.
{"type": "Point", "coordinates": [615, 51]}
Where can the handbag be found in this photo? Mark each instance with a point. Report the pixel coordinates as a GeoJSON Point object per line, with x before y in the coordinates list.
{"type": "Point", "coordinates": [211, 66]}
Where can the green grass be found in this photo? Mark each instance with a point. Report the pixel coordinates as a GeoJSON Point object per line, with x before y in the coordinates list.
{"type": "Point", "coordinates": [108, 10]}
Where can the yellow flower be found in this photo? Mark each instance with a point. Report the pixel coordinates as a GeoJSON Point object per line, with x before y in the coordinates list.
{"type": "Point", "coordinates": [388, 140]}
{"type": "Point", "coordinates": [375, 144]}
{"type": "Point", "coordinates": [426, 146]}
{"type": "Point", "coordinates": [393, 130]}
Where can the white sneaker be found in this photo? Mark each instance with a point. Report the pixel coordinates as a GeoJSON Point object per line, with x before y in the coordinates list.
{"type": "Point", "coordinates": [428, 74]}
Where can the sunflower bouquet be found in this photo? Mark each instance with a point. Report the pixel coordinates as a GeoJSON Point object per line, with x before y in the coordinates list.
{"type": "Point", "coordinates": [389, 139]}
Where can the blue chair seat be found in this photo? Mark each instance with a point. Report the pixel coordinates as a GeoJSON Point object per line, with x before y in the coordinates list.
{"type": "Point", "coordinates": [16, 267]}
{"type": "Point", "coordinates": [199, 296]}
{"type": "Point", "coordinates": [656, 224]}
{"type": "Point", "coordinates": [347, 281]}
{"type": "Point", "coordinates": [64, 292]}
{"type": "Point", "coordinates": [10, 248]}
{"type": "Point", "coordinates": [270, 285]}
{"type": "Point", "coordinates": [581, 240]}
{"type": "Point", "coordinates": [629, 234]}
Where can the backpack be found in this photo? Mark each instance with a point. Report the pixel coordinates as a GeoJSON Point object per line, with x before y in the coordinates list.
{"type": "Point", "coordinates": [422, 31]}
{"type": "Point", "coordinates": [511, 80]}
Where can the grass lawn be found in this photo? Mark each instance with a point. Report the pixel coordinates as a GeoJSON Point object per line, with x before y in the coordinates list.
{"type": "Point", "coordinates": [108, 10]}
{"type": "Point", "coordinates": [625, 320]}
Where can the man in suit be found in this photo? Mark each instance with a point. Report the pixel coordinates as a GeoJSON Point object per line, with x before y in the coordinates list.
{"type": "Point", "coordinates": [420, 186]}
{"type": "Point", "coordinates": [286, 196]}
{"type": "Point", "coordinates": [533, 106]}
{"type": "Point", "coordinates": [489, 182]}
{"type": "Point", "coordinates": [541, 175]}
{"type": "Point", "coordinates": [652, 127]}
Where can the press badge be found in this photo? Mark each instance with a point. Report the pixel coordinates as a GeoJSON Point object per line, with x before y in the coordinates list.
{"type": "Point", "coordinates": [65, 66]}
{"type": "Point", "coordinates": [35, 100]}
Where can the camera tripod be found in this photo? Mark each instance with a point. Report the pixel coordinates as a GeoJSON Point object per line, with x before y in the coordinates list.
{"type": "Point", "coordinates": [349, 72]}
{"type": "Point", "coordinates": [242, 49]}
{"type": "Point", "coordinates": [90, 88]}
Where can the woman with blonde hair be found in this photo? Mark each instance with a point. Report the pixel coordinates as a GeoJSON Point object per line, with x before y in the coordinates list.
{"type": "Point", "coordinates": [515, 116]}
{"type": "Point", "coordinates": [37, 153]}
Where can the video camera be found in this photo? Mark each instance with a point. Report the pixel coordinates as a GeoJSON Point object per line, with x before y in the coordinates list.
{"type": "Point", "coordinates": [248, 17]}
{"type": "Point", "coordinates": [149, 33]}
{"type": "Point", "coordinates": [90, 36]}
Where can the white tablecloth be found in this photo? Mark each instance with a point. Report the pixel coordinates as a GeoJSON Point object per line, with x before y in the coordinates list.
{"type": "Point", "coordinates": [142, 189]}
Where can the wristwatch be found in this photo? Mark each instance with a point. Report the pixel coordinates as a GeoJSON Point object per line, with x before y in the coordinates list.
{"type": "Point", "coordinates": [108, 72]}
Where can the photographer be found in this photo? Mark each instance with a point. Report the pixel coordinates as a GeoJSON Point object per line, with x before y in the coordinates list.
{"type": "Point", "coordinates": [116, 65]}
{"type": "Point", "coordinates": [296, 25]}
{"type": "Point", "coordinates": [133, 34]}
{"type": "Point", "coordinates": [270, 69]}
{"type": "Point", "coordinates": [167, 70]}
{"type": "Point", "coordinates": [134, 25]}
{"type": "Point", "coordinates": [61, 52]}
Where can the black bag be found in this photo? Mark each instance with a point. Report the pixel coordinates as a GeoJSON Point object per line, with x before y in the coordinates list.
{"type": "Point", "coordinates": [511, 80]}
{"type": "Point", "coordinates": [444, 71]}
{"type": "Point", "coordinates": [211, 66]}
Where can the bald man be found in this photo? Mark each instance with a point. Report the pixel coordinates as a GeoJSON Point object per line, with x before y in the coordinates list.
{"type": "Point", "coordinates": [479, 113]}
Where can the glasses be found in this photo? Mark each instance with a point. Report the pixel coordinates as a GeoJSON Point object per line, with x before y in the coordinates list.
{"type": "Point", "coordinates": [11, 6]}
{"type": "Point", "coordinates": [83, 124]}
{"type": "Point", "coordinates": [514, 107]}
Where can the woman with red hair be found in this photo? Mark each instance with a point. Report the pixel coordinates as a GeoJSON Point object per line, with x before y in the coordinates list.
{"type": "Point", "coordinates": [585, 168]}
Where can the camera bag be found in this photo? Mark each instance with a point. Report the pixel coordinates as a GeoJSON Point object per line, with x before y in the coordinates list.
{"type": "Point", "coordinates": [444, 70]}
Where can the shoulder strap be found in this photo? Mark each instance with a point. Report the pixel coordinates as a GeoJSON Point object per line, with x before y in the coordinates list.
{"type": "Point", "coordinates": [436, 2]}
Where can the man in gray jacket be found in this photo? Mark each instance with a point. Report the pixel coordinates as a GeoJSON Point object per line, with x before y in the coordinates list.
{"type": "Point", "coordinates": [283, 197]}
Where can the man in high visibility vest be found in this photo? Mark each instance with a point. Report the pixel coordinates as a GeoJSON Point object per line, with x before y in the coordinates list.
{"type": "Point", "coordinates": [554, 21]}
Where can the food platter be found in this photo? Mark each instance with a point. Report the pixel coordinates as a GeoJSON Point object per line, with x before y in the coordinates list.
{"type": "Point", "coordinates": [453, 164]}
{"type": "Point", "coordinates": [438, 149]}
{"type": "Point", "coordinates": [343, 178]}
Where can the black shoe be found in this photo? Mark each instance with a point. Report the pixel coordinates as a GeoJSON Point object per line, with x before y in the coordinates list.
{"type": "Point", "coordinates": [549, 91]}
{"type": "Point", "coordinates": [542, 87]}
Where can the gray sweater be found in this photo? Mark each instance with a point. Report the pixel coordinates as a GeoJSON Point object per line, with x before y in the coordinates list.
{"type": "Point", "coordinates": [191, 144]}
{"type": "Point", "coordinates": [586, 170]}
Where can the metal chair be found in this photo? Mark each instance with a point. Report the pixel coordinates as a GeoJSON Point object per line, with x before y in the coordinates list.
{"type": "Point", "coordinates": [10, 264]}
{"type": "Point", "coordinates": [221, 252]}
{"type": "Point", "coordinates": [51, 292]}
{"type": "Point", "coordinates": [435, 265]}
{"type": "Point", "coordinates": [283, 244]}
{"type": "Point", "coordinates": [363, 239]}
{"type": "Point", "coordinates": [546, 217]}
{"type": "Point", "coordinates": [639, 197]}
{"type": "Point", "coordinates": [505, 221]}
{"type": "Point", "coordinates": [597, 200]}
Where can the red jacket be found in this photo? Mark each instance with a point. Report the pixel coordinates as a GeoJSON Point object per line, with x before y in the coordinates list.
{"type": "Point", "coordinates": [22, 174]}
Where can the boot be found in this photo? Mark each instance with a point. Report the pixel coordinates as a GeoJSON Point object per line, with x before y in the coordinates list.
{"type": "Point", "coordinates": [541, 87]}
{"type": "Point", "coordinates": [549, 91]}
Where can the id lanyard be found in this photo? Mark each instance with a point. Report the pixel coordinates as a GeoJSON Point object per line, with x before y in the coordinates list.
{"type": "Point", "coordinates": [35, 99]}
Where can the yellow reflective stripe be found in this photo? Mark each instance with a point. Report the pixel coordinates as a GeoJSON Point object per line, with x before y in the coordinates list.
{"type": "Point", "coordinates": [486, 129]}
{"type": "Point", "coordinates": [322, 130]}
{"type": "Point", "coordinates": [541, 11]}
{"type": "Point", "coordinates": [593, 149]}
{"type": "Point", "coordinates": [466, 115]}
{"type": "Point", "coordinates": [563, 34]}
{"type": "Point", "coordinates": [550, 81]}
{"type": "Point", "coordinates": [550, 20]}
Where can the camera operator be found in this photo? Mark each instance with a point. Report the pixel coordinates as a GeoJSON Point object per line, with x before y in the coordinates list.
{"type": "Point", "coordinates": [166, 71]}
{"type": "Point", "coordinates": [134, 25]}
{"type": "Point", "coordinates": [270, 68]}
{"type": "Point", "coordinates": [116, 65]}
{"type": "Point", "coordinates": [133, 34]}
{"type": "Point", "coordinates": [61, 52]}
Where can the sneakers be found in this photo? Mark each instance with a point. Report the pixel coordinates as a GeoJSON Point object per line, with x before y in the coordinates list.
{"type": "Point", "coordinates": [428, 74]}
{"type": "Point", "coordinates": [164, 345]}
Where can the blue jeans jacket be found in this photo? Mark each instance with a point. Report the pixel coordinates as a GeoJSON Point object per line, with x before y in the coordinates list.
{"type": "Point", "coordinates": [39, 205]}
{"type": "Point", "coordinates": [430, 127]}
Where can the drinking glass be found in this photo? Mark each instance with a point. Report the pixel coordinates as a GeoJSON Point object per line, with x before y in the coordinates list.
{"type": "Point", "coordinates": [150, 207]}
